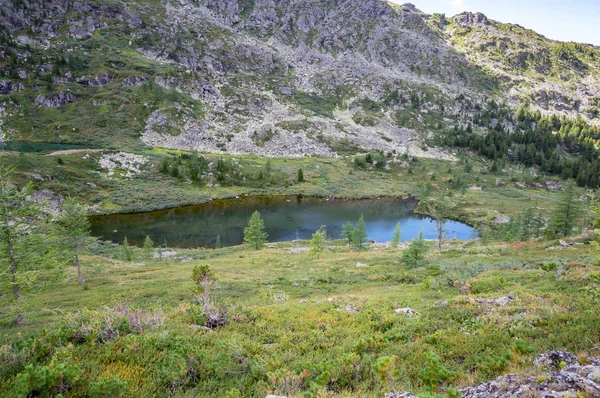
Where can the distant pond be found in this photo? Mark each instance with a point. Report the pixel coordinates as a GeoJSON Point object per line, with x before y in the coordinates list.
{"type": "Point", "coordinates": [286, 218]}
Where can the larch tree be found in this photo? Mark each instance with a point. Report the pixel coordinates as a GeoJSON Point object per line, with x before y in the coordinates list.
{"type": "Point", "coordinates": [254, 234]}
{"type": "Point", "coordinates": [126, 252]}
{"type": "Point", "coordinates": [440, 213]}
{"type": "Point", "coordinates": [359, 235]}
{"type": "Point", "coordinates": [19, 221]}
{"type": "Point", "coordinates": [568, 210]}
{"type": "Point", "coordinates": [74, 229]}
{"type": "Point", "coordinates": [317, 243]}
{"type": "Point", "coordinates": [397, 236]}
{"type": "Point", "coordinates": [148, 248]}
{"type": "Point", "coordinates": [348, 232]}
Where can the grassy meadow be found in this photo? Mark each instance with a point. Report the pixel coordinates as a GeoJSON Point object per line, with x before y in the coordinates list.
{"type": "Point", "coordinates": [301, 326]}
{"type": "Point", "coordinates": [293, 324]}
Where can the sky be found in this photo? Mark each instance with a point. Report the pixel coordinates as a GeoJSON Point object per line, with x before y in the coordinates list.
{"type": "Point", "coordinates": [565, 20]}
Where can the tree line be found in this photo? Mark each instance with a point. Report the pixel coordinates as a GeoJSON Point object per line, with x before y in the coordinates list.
{"type": "Point", "coordinates": [556, 145]}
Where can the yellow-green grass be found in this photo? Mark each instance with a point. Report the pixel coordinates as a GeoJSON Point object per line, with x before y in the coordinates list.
{"type": "Point", "coordinates": [288, 331]}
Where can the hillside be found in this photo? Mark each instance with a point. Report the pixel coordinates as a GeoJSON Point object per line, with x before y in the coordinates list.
{"type": "Point", "coordinates": [272, 77]}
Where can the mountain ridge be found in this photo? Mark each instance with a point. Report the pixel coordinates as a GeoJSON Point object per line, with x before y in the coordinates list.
{"type": "Point", "coordinates": [287, 78]}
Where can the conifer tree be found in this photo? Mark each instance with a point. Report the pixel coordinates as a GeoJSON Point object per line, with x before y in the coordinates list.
{"type": "Point", "coordinates": [414, 256]}
{"type": "Point", "coordinates": [300, 175]}
{"type": "Point", "coordinates": [74, 229]}
{"type": "Point", "coordinates": [359, 235]}
{"type": "Point", "coordinates": [440, 210]}
{"type": "Point", "coordinates": [218, 242]}
{"type": "Point", "coordinates": [19, 221]}
{"type": "Point", "coordinates": [148, 248]}
{"type": "Point", "coordinates": [348, 232]}
{"type": "Point", "coordinates": [567, 211]}
{"type": "Point", "coordinates": [317, 243]}
{"type": "Point", "coordinates": [396, 237]}
{"type": "Point", "coordinates": [254, 234]}
{"type": "Point", "coordinates": [125, 251]}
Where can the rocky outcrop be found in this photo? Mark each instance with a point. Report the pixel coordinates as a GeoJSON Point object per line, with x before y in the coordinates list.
{"type": "Point", "coordinates": [132, 81]}
{"type": "Point", "coordinates": [49, 201]}
{"type": "Point", "coordinates": [6, 87]}
{"type": "Point", "coordinates": [55, 101]}
{"type": "Point", "coordinates": [469, 19]}
{"type": "Point", "coordinates": [97, 81]}
{"type": "Point", "coordinates": [566, 377]}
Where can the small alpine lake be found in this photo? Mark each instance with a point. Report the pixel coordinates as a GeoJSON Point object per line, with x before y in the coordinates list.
{"type": "Point", "coordinates": [286, 218]}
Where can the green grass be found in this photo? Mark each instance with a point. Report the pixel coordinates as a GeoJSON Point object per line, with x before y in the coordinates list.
{"type": "Point", "coordinates": [288, 332]}
{"type": "Point", "coordinates": [324, 177]}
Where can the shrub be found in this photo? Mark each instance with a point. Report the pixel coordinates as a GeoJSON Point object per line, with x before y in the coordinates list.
{"type": "Point", "coordinates": [108, 387]}
{"type": "Point", "coordinates": [46, 381]}
{"type": "Point", "coordinates": [414, 256]}
{"type": "Point", "coordinates": [435, 372]}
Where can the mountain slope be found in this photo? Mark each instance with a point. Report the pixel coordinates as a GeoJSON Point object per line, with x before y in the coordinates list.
{"type": "Point", "coordinates": [268, 77]}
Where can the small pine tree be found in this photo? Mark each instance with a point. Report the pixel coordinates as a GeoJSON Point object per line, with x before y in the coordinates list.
{"type": "Point", "coordinates": [60, 161]}
{"type": "Point", "coordinates": [300, 175]}
{"type": "Point", "coordinates": [414, 256]}
{"type": "Point", "coordinates": [348, 232]}
{"type": "Point", "coordinates": [254, 234]}
{"type": "Point", "coordinates": [359, 235]}
{"type": "Point", "coordinates": [125, 251]}
{"type": "Point", "coordinates": [396, 237]}
{"type": "Point", "coordinates": [148, 248]}
{"type": "Point", "coordinates": [317, 243]}
{"type": "Point", "coordinates": [218, 242]}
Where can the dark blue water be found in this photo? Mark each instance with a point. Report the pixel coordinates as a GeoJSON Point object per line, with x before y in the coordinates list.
{"type": "Point", "coordinates": [285, 219]}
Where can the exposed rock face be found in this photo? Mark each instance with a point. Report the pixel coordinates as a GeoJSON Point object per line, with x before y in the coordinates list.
{"type": "Point", "coordinates": [470, 18]}
{"type": "Point", "coordinates": [134, 81]}
{"type": "Point", "coordinates": [97, 81]}
{"type": "Point", "coordinates": [50, 202]}
{"type": "Point", "coordinates": [59, 99]}
{"type": "Point", "coordinates": [6, 87]}
{"type": "Point", "coordinates": [124, 164]}
{"type": "Point", "coordinates": [290, 77]}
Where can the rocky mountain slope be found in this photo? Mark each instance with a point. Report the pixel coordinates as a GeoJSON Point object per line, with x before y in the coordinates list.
{"type": "Point", "coordinates": [289, 77]}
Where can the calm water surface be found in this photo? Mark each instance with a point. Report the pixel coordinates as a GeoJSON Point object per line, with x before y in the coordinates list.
{"type": "Point", "coordinates": [285, 219]}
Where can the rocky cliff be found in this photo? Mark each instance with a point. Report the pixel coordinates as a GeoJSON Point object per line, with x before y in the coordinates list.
{"type": "Point", "coordinates": [287, 77]}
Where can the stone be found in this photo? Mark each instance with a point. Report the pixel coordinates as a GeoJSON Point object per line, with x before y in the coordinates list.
{"type": "Point", "coordinates": [6, 87]}
{"type": "Point", "coordinates": [554, 360]}
{"type": "Point", "coordinates": [501, 302]}
{"type": "Point", "coordinates": [97, 81]}
{"type": "Point", "coordinates": [572, 380]}
{"type": "Point", "coordinates": [350, 308]}
{"type": "Point", "coordinates": [407, 311]}
{"type": "Point", "coordinates": [553, 186]}
{"type": "Point", "coordinates": [361, 265]}
{"type": "Point", "coordinates": [55, 101]}
{"type": "Point", "coordinates": [401, 394]}
{"type": "Point", "coordinates": [132, 81]}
